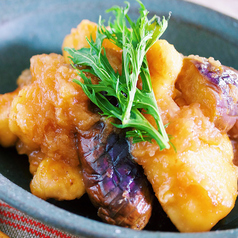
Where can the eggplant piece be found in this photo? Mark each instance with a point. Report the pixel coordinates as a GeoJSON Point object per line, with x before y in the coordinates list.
{"type": "Point", "coordinates": [115, 184]}
{"type": "Point", "coordinates": [213, 86]}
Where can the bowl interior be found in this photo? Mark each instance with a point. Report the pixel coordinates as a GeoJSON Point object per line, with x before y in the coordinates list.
{"type": "Point", "coordinates": [30, 28]}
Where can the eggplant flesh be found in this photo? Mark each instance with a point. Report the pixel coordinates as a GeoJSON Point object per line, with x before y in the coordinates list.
{"type": "Point", "coordinates": [213, 86]}
{"type": "Point", "coordinates": [115, 184]}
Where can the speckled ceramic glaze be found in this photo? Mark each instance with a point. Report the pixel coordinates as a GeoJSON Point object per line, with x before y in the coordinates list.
{"type": "Point", "coordinates": [30, 27]}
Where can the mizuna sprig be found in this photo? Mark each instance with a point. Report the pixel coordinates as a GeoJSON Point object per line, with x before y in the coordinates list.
{"type": "Point", "coordinates": [134, 41]}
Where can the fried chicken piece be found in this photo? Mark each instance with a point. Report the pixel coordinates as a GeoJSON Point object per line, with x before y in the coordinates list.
{"type": "Point", "coordinates": [56, 179]}
{"type": "Point", "coordinates": [77, 39]}
{"type": "Point", "coordinates": [165, 63]}
{"type": "Point", "coordinates": [196, 184]}
{"type": "Point", "coordinates": [7, 137]}
{"type": "Point", "coordinates": [46, 116]}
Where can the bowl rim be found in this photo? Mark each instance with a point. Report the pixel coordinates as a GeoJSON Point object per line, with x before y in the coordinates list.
{"type": "Point", "coordinates": [43, 211]}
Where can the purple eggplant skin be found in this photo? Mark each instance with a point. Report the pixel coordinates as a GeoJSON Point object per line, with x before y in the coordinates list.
{"type": "Point", "coordinates": [225, 82]}
{"type": "Point", "coordinates": [114, 183]}
{"type": "Point", "coordinates": [213, 86]}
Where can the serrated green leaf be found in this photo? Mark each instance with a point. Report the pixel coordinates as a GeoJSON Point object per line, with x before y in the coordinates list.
{"type": "Point", "coordinates": [135, 41]}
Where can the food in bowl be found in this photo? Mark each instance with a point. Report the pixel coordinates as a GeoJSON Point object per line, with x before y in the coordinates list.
{"type": "Point", "coordinates": [90, 120]}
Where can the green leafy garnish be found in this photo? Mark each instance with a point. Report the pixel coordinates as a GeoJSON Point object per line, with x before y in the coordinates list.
{"type": "Point", "coordinates": [135, 41]}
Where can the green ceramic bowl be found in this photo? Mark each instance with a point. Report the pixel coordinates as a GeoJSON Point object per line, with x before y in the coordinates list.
{"type": "Point", "coordinates": [30, 27]}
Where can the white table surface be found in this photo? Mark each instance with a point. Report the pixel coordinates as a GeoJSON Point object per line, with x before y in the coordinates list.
{"type": "Point", "coordinates": [228, 7]}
